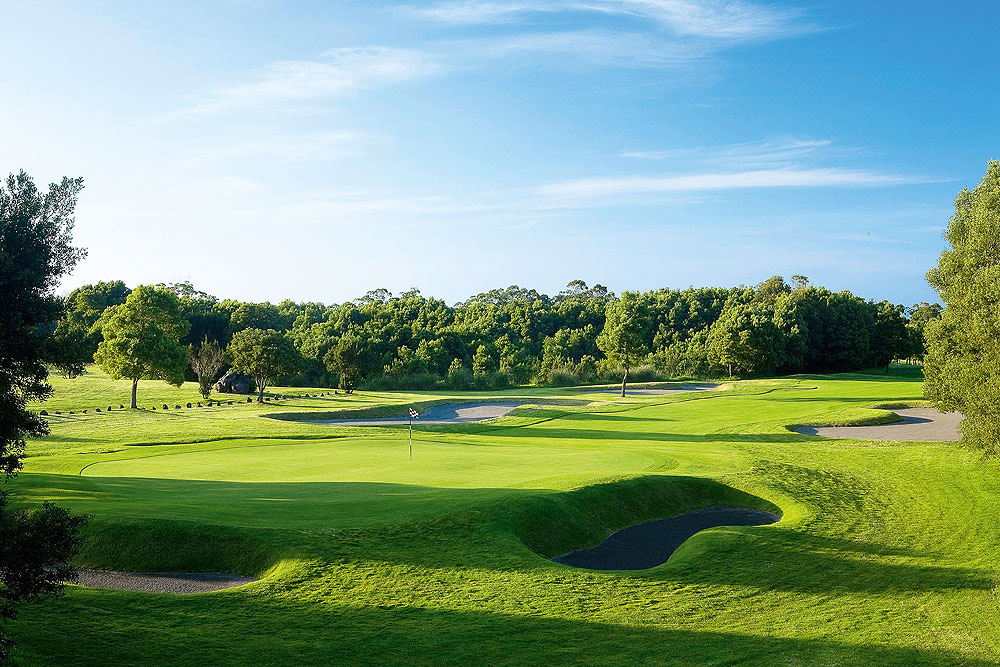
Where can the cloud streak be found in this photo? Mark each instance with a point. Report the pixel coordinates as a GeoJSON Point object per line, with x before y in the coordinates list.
{"type": "Point", "coordinates": [729, 20]}
{"type": "Point", "coordinates": [337, 73]}
{"type": "Point", "coordinates": [590, 188]}
{"type": "Point", "coordinates": [744, 155]}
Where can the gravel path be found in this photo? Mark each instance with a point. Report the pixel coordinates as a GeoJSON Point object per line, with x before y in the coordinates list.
{"type": "Point", "coordinates": [159, 582]}
{"type": "Point", "coordinates": [652, 543]}
{"type": "Point", "coordinates": [659, 392]}
{"type": "Point", "coordinates": [455, 413]}
{"type": "Point", "coordinates": [923, 424]}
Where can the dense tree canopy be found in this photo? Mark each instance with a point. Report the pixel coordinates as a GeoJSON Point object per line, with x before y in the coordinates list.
{"type": "Point", "coordinates": [517, 335]}
{"type": "Point", "coordinates": [35, 251]}
{"type": "Point", "coordinates": [963, 351]}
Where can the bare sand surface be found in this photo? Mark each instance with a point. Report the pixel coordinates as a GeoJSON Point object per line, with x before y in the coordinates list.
{"type": "Point", "coordinates": [159, 582]}
{"type": "Point", "coordinates": [923, 424]}
{"type": "Point", "coordinates": [659, 392]}
{"type": "Point", "coordinates": [455, 413]}
{"type": "Point", "coordinates": [650, 544]}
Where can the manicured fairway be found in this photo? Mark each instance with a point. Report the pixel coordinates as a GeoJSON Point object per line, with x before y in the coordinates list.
{"type": "Point", "coordinates": [887, 553]}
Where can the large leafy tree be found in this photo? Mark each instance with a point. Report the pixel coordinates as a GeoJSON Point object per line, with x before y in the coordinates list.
{"type": "Point", "coordinates": [745, 337]}
{"type": "Point", "coordinates": [624, 340]}
{"type": "Point", "coordinates": [142, 338]}
{"type": "Point", "coordinates": [263, 354]}
{"type": "Point", "coordinates": [35, 251]}
{"type": "Point", "coordinates": [890, 339]}
{"type": "Point", "coordinates": [350, 360]}
{"type": "Point", "coordinates": [962, 365]}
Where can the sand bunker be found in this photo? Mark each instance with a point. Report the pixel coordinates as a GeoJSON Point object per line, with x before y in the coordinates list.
{"type": "Point", "coordinates": [159, 582]}
{"type": "Point", "coordinates": [659, 392]}
{"type": "Point", "coordinates": [924, 424]}
{"type": "Point", "coordinates": [455, 413]}
{"type": "Point", "coordinates": [650, 544]}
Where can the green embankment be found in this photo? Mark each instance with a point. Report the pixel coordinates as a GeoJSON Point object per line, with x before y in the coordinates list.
{"type": "Point", "coordinates": [887, 553]}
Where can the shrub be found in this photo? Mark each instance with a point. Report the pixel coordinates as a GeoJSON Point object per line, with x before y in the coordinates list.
{"type": "Point", "coordinates": [459, 377]}
{"type": "Point", "coordinates": [392, 382]}
{"type": "Point", "coordinates": [563, 376]}
{"type": "Point", "coordinates": [586, 370]}
{"type": "Point", "coordinates": [491, 380]}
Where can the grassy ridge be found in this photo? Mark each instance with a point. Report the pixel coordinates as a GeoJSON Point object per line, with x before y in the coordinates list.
{"type": "Point", "coordinates": [886, 555]}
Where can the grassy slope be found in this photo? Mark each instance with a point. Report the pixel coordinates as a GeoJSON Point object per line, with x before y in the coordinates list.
{"type": "Point", "coordinates": [887, 553]}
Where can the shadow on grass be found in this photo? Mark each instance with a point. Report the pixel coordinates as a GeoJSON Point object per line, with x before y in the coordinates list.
{"type": "Point", "coordinates": [499, 529]}
{"type": "Point", "coordinates": [278, 505]}
{"type": "Point", "coordinates": [774, 558]}
{"type": "Point", "coordinates": [239, 629]}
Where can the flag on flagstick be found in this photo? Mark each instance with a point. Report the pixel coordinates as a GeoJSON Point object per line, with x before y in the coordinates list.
{"type": "Point", "coordinates": [413, 415]}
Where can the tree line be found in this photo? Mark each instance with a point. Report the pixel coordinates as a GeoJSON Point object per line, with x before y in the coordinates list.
{"type": "Point", "coordinates": [495, 339]}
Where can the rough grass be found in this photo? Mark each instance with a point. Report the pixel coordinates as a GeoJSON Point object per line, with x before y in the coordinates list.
{"type": "Point", "coordinates": [885, 555]}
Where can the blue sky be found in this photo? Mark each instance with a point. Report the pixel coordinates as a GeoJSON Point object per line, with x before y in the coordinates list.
{"type": "Point", "coordinates": [313, 151]}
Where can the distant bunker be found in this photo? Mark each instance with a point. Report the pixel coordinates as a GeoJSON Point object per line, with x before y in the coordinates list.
{"type": "Point", "coordinates": [658, 392]}
{"type": "Point", "coordinates": [650, 544]}
{"type": "Point", "coordinates": [159, 582]}
{"type": "Point", "coordinates": [454, 413]}
{"type": "Point", "coordinates": [920, 424]}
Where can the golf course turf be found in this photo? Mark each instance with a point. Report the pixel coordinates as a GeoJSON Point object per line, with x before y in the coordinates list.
{"type": "Point", "coordinates": [886, 552]}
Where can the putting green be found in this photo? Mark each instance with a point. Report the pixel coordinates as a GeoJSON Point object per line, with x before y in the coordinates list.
{"type": "Point", "coordinates": [444, 464]}
{"type": "Point", "coordinates": [344, 483]}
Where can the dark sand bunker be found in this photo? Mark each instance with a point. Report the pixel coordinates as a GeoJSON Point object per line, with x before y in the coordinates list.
{"type": "Point", "coordinates": [455, 413]}
{"type": "Point", "coordinates": [659, 392]}
{"type": "Point", "coordinates": [650, 544]}
{"type": "Point", "coordinates": [159, 582]}
{"type": "Point", "coordinates": [923, 424]}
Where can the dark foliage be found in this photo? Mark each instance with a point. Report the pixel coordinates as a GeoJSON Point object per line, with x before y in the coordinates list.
{"type": "Point", "coordinates": [35, 250]}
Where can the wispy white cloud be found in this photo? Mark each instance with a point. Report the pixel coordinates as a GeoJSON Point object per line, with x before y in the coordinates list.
{"type": "Point", "coordinates": [472, 12]}
{"type": "Point", "coordinates": [338, 72]}
{"type": "Point", "coordinates": [721, 19]}
{"type": "Point", "coordinates": [576, 48]}
{"type": "Point", "coordinates": [733, 20]}
{"type": "Point", "coordinates": [589, 188]}
{"type": "Point", "coordinates": [770, 152]}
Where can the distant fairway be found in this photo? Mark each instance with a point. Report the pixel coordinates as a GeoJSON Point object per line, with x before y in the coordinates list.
{"type": "Point", "coordinates": [886, 554]}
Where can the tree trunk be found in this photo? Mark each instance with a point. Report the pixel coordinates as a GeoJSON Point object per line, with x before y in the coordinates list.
{"type": "Point", "coordinates": [260, 391]}
{"type": "Point", "coordinates": [624, 378]}
{"type": "Point", "coordinates": [730, 371]}
{"type": "Point", "coordinates": [135, 385]}
{"type": "Point", "coordinates": [887, 366]}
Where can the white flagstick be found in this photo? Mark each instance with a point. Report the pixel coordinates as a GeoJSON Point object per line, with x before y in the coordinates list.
{"type": "Point", "coordinates": [413, 413]}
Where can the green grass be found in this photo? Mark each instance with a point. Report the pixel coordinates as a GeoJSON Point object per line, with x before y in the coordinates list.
{"type": "Point", "coordinates": [887, 553]}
